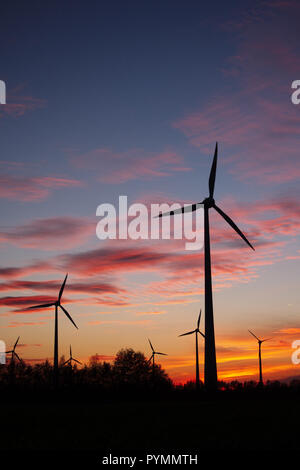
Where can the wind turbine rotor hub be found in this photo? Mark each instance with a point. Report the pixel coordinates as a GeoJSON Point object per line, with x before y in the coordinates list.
{"type": "Point", "coordinates": [209, 202]}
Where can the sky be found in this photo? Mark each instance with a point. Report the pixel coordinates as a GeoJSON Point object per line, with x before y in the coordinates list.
{"type": "Point", "coordinates": [128, 98]}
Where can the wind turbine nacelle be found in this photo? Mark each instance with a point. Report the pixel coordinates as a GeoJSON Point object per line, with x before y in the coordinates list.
{"type": "Point", "coordinates": [209, 202]}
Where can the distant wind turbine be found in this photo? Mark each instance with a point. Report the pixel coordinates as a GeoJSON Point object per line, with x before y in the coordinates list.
{"type": "Point", "coordinates": [196, 331]}
{"type": "Point", "coordinates": [13, 352]}
{"type": "Point", "coordinates": [57, 304]}
{"type": "Point", "coordinates": [71, 358]}
{"type": "Point", "coordinates": [210, 367]}
{"type": "Point", "coordinates": [152, 358]}
{"type": "Point", "coordinates": [260, 341]}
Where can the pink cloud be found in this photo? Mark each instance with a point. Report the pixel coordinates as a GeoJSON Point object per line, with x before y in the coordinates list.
{"type": "Point", "coordinates": [119, 322]}
{"type": "Point", "coordinates": [36, 267]}
{"type": "Point", "coordinates": [267, 224]}
{"type": "Point", "coordinates": [23, 302]}
{"type": "Point", "coordinates": [32, 189]}
{"type": "Point", "coordinates": [153, 312]}
{"type": "Point", "coordinates": [18, 324]}
{"type": "Point", "coordinates": [54, 286]}
{"type": "Point", "coordinates": [50, 234]}
{"type": "Point", "coordinates": [262, 143]}
{"type": "Point", "coordinates": [109, 260]}
{"type": "Point", "coordinates": [113, 167]}
{"type": "Point", "coordinates": [17, 105]}
{"type": "Point", "coordinates": [256, 124]}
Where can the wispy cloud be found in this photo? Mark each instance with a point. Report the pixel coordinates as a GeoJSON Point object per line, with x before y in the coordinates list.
{"type": "Point", "coordinates": [178, 272]}
{"type": "Point", "coordinates": [153, 312]}
{"type": "Point", "coordinates": [23, 302]}
{"type": "Point", "coordinates": [18, 271]}
{"type": "Point", "coordinates": [254, 119]}
{"type": "Point", "coordinates": [118, 322]}
{"type": "Point", "coordinates": [32, 189]}
{"type": "Point", "coordinates": [19, 103]}
{"type": "Point", "coordinates": [89, 287]}
{"type": "Point", "coordinates": [114, 167]}
{"type": "Point", "coordinates": [56, 233]}
{"type": "Point", "coordinates": [18, 324]}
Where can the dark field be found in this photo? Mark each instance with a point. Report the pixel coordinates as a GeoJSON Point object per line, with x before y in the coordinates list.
{"type": "Point", "coordinates": [216, 424]}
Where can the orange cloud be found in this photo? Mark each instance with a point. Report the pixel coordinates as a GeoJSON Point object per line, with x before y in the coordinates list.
{"type": "Point", "coordinates": [154, 312]}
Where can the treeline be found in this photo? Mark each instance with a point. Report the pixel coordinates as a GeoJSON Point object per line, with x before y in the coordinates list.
{"type": "Point", "coordinates": [129, 372]}
{"type": "Point", "coordinates": [130, 375]}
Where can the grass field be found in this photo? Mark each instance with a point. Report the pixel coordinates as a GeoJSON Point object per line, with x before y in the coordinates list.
{"type": "Point", "coordinates": [244, 424]}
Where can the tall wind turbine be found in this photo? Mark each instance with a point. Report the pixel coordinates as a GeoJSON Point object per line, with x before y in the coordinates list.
{"type": "Point", "coordinates": [71, 358]}
{"type": "Point", "coordinates": [196, 331]}
{"type": "Point", "coordinates": [153, 355]}
{"type": "Point", "coordinates": [13, 352]}
{"type": "Point", "coordinates": [210, 367]}
{"type": "Point", "coordinates": [57, 304]}
{"type": "Point", "coordinates": [260, 341]}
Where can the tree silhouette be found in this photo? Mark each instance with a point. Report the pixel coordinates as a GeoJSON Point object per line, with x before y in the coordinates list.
{"type": "Point", "coordinates": [132, 369]}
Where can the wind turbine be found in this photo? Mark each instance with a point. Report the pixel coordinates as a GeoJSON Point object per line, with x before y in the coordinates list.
{"type": "Point", "coordinates": [260, 341]}
{"type": "Point", "coordinates": [153, 355]}
{"type": "Point", "coordinates": [196, 331]}
{"type": "Point", "coordinates": [57, 304]}
{"type": "Point", "coordinates": [13, 352]}
{"type": "Point", "coordinates": [210, 367]}
{"type": "Point", "coordinates": [71, 358]}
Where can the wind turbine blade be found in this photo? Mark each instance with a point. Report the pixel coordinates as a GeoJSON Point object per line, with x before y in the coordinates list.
{"type": "Point", "coordinates": [199, 318]}
{"type": "Point", "coordinates": [70, 351]}
{"type": "Point", "coordinates": [43, 305]}
{"type": "Point", "coordinates": [69, 316]}
{"type": "Point", "coordinates": [189, 333]}
{"type": "Point", "coordinates": [212, 176]}
{"type": "Point", "coordinates": [8, 352]}
{"type": "Point", "coordinates": [151, 345]}
{"type": "Point", "coordinates": [16, 343]}
{"type": "Point", "coordinates": [62, 288]}
{"type": "Point", "coordinates": [268, 339]}
{"type": "Point", "coordinates": [162, 354]}
{"type": "Point", "coordinates": [149, 360]}
{"type": "Point", "coordinates": [66, 362]}
{"type": "Point", "coordinates": [232, 224]}
{"type": "Point", "coordinates": [17, 356]}
{"type": "Point", "coordinates": [254, 335]}
{"type": "Point", "coordinates": [78, 362]}
{"type": "Point", "coordinates": [202, 334]}
{"type": "Point", "coordinates": [181, 210]}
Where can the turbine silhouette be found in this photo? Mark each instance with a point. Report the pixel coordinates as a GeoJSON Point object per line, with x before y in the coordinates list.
{"type": "Point", "coordinates": [210, 367]}
{"type": "Point", "coordinates": [13, 352]}
{"type": "Point", "coordinates": [57, 304]}
{"type": "Point", "coordinates": [196, 331]}
{"type": "Point", "coordinates": [71, 358]}
{"type": "Point", "coordinates": [260, 341]}
{"type": "Point", "coordinates": [152, 358]}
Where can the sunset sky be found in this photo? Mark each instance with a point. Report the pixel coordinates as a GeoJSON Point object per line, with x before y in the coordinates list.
{"type": "Point", "coordinates": [128, 98]}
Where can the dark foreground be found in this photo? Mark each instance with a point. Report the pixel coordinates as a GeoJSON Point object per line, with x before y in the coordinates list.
{"type": "Point", "coordinates": [234, 423]}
